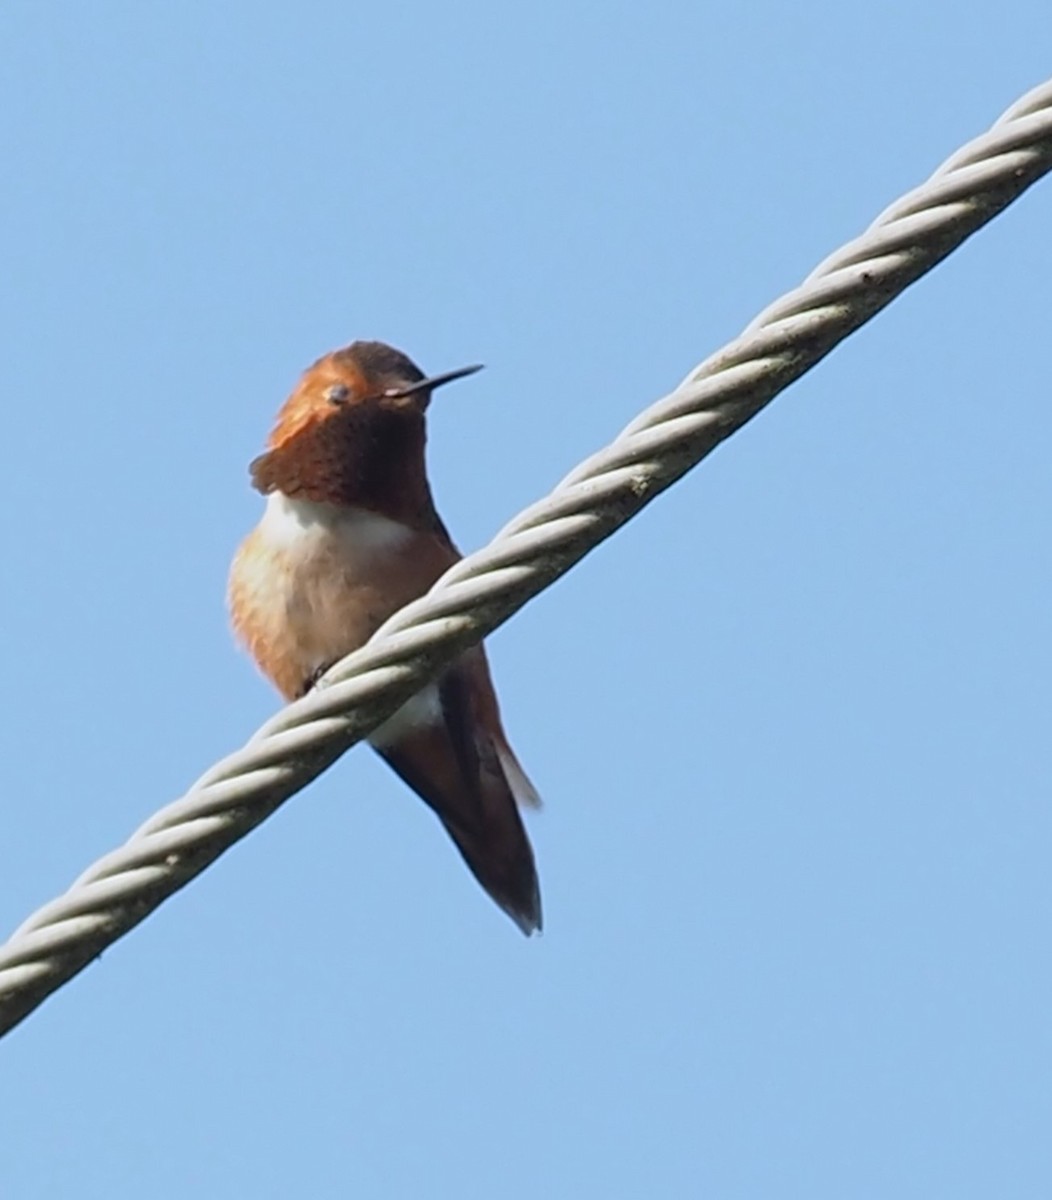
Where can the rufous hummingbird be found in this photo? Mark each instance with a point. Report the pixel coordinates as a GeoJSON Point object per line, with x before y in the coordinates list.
{"type": "Point", "coordinates": [348, 536]}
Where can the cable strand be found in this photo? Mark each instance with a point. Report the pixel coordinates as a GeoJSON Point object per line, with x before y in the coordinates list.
{"type": "Point", "coordinates": [543, 542]}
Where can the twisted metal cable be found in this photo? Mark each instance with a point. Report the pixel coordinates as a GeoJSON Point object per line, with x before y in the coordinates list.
{"type": "Point", "coordinates": [539, 545]}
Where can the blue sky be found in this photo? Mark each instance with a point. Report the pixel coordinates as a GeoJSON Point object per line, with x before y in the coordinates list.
{"type": "Point", "coordinates": [791, 725]}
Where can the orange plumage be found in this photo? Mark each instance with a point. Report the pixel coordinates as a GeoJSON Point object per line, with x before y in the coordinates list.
{"type": "Point", "coordinates": [349, 535]}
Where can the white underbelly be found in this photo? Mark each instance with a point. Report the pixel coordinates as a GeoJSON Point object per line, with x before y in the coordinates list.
{"type": "Point", "coordinates": [425, 708]}
{"type": "Point", "coordinates": [330, 591]}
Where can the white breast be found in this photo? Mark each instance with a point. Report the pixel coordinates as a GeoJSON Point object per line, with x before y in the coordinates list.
{"type": "Point", "coordinates": [302, 525]}
{"type": "Point", "coordinates": [304, 529]}
{"type": "Point", "coordinates": [315, 584]}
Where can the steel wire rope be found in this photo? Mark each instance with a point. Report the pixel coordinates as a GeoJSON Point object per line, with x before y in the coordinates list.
{"type": "Point", "coordinates": [540, 544]}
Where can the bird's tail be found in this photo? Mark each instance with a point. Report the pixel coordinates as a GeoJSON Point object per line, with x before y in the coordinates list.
{"type": "Point", "coordinates": [496, 848]}
{"type": "Point", "coordinates": [476, 803]}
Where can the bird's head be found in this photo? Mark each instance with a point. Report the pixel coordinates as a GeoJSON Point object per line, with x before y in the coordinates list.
{"type": "Point", "coordinates": [354, 420]}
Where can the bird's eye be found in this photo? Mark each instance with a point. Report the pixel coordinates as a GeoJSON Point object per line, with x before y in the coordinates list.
{"type": "Point", "coordinates": [338, 393]}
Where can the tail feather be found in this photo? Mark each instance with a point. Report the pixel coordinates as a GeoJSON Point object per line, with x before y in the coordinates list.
{"type": "Point", "coordinates": [472, 782]}
{"type": "Point", "coordinates": [499, 855]}
{"type": "Point", "coordinates": [521, 788]}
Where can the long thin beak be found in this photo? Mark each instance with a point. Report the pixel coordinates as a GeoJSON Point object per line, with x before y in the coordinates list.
{"type": "Point", "coordinates": [432, 382]}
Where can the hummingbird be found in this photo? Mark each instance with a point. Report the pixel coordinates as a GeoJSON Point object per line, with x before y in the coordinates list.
{"type": "Point", "coordinates": [350, 534]}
